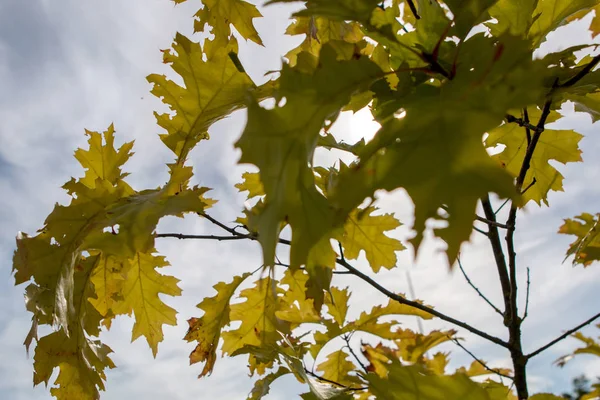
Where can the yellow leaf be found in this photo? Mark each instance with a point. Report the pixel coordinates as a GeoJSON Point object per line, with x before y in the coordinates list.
{"type": "Point", "coordinates": [220, 14]}
{"type": "Point", "coordinates": [207, 329]}
{"type": "Point", "coordinates": [213, 89]}
{"type": "Point", "coordinates": [296, 307]}
{"type": "Point", "coordinates": [477, 369]}
{"type": "Point", "coordinates": [252, 184]}
{"type": "Point", "coordinates": [412, 346]}
{"type": "Point", "coordinates": [557, 145]}
{"type": "Point", "coordinates": [103, 161]}
{"type": "Point", "coordinates": [337, 304]}
{"type": "Point", "coordinates": [81, 361]}
{"type": "Point", "coordinates": [141, 290]}
{"type": "Point", "coordinates": [364, 231]}
{"type": "Point", "coordinates": [259, 325]}
{"type": "Point", "coordinates": [337, 367]}
{"type": "Point", "coordinates": [320, 30]}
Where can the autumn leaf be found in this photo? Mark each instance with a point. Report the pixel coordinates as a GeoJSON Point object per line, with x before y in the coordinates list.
{"type": "Point", "coordinates": [364, 231]}
{"type": "Point", "coordinates": [586, 248]}
{"type": "Point", "coordinates": [206, 330]}
{"type": "Point", "coordinates": [337, 304]}
{"type": "Point", "coordinates": [556, 145]}
{"type": "Point", "coordinates": [220, 15]}
{"type": "Point", "coordinates": [297, 308]}
{"type": "Point", "coordinates": [337, 368]}
{"type": "Point", "coordinates": [142, 285]}
{"type": "Point", "coordinates": [259, 324]}
{"type": "Point", "coordinates": [212, 91]}
{"type": "Point", "coordinates": [81, 361]}
{"type": "Point", "coordinates": [251, 184]}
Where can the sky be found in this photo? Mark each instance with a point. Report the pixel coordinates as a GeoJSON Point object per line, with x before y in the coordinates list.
{"type": "Point", "coordinates": [68, 65]}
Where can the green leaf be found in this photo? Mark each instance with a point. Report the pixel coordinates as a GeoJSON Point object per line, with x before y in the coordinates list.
{"type": "Point", "coordinates": [206, 330]}
{"type": "Point", "coordinates": [343, 36]}
{"type": "Point", "coordinates": [586, 248]}
{"type": "Point", "coordinates": [468, 13]}
{"type": "Point", "coordinates": [513, 16]}
{"type": "Point", "coordinates": [589, 103]}
{"type": "Point", "coordinates": [137, 215]}
{"type": "Point", "coordinates": [415, 383]}
{"type": "Point", "coordinates": [557, 145]}
{"type": "Point", "coordinates": [345, 10]}
{"type": "Point", "coordinates": [551, 14]}
{"type": "Point", "coordinates": [213, 89]}
{"type": "Point", "coordinates": [364, 231]}
{"type": "Point", "coordinates": [449, 164]}
{"type": "Point", "coordinates": [281, 142]}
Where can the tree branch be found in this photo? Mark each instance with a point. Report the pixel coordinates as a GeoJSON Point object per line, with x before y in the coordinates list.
{"type": "Point", "coordinates": [483, 364]}
{"type": "Point", "coordinates": [523, 122]}
{"type": "Point", "coordinates": [561, 337]}
{"type": "Point", "coordinates": [492, 223]}
{"type": "Point", "coordinates": [494, 238]}
{"type": "Point", "coordinates": [584, 71]}
{"type": "Point", "coordinates": [346, 339]}
{"type": "Point", "coordinates": [200, 237]}
{"type": "Point", "coordinates": [527, 296]}
{"type": "Point", "coordinates": [477, 289]}
{"type": "Point", "coordinates": [419, 306]}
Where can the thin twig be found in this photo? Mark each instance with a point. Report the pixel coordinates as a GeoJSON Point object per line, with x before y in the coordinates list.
{"type": "Point", "coordinates": [347, 340]}
{"type": "Point", "coordinates": [561, 337]}
{"type": "Point", "coordinates": [492, 223]}
{"type": "Point", "coordinates": [483, 364]}
{"type": "Point", "coordinates": [521, 122]}
{"type": "Point", "coordinates": [320, 378]}
{"type": "Point", "coordinates": [501, 206]}
{"type": "Point", "coordinates": [476, 229]}
{"type": "Point", "coordinates": [207, 237]}
{"type": "Point", "coordinates": [477, 289]}
{"type": "Point", "coordinates": [527, 296]}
